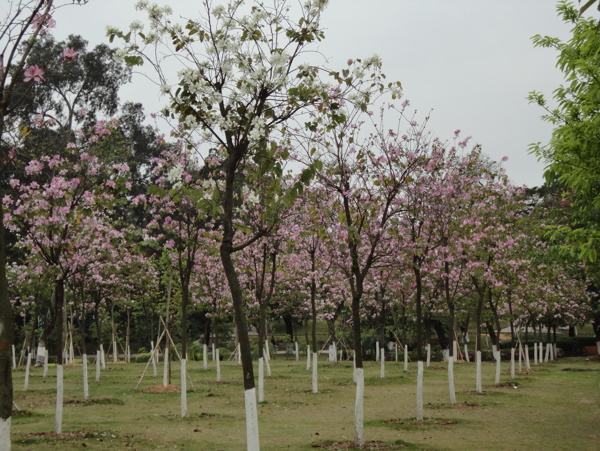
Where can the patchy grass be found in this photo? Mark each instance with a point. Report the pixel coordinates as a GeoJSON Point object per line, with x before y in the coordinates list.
{"type": "Point", "coordinates": [555, 407]}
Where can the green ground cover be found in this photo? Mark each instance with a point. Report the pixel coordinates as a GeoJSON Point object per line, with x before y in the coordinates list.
{"type": "Point", "coordinates": [556, 407]}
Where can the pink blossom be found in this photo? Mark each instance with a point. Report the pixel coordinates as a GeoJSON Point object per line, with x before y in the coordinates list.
{"type": "Point", "coordinates": [40, 21]}
{"type": "Point", "coordinates": [69, 55]}
{"type": "Point", "coordinates": [33, 73]}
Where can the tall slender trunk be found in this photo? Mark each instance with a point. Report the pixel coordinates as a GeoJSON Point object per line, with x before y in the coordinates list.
{"type": "Point", "coordinates": [478, 310]}
{"type": "Point", "coordinates": [450, 304]}
{"type": "Point", "coordinates": [6, 329]}
{"type": "Point", "coordinates": [313, 302]}
{"type": "Point", "coordinates": [239, 315]}
{"type": "Point", "coordinates": [226, 251]}
{"type": "Point", "coordinates": [419, 307]}
{"type": "Point", "coordinates": [59, 300]}
{"type": "Point", "coordinates": [185, 300]}
{"type": "Point", "coordinates": [82, 326]}
{"type": "Point", "coordinates": [98, 323]}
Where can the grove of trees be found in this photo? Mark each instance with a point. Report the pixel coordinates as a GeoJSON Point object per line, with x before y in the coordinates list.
{"type": "Point", "coordinates": [287, 191]}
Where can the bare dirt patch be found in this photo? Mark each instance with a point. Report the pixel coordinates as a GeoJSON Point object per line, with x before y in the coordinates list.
{"type": "Point", "coordinates": [162, 389]}
{"type": "Point", "coordinates": [430, 422]}
{"type": "Point", "coordinates": [350, 445]}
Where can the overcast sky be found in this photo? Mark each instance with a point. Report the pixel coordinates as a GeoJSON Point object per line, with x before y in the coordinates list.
{"type": "Point", "coordinates": [469, 61]}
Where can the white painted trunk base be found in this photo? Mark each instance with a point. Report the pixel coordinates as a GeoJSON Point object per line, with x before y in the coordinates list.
{"type": "Point", "coordinates": [98, 363]}
{"type": "Point", "coordinates": [377, 351]}
{"type": "Point", "coordinates": [527, 366]}
{"type": "Point", "coordinates": [40, 355]}
{"type": "Point", "coordinates": [541, 353]}
{"type": "Point", "coordinates": [267, 362]}
{"type": "Point", "coordinates": [218, 362]}
{"type": "Point", "coordinates": [86, 387]}
{"type": "Point", "coordinates": [45, 373]}
{"type": "Point", "coordinates": [315, 385]}
{"type": "Point", "coordinates": [466, 353]}
{"type": "Point", "coordinates": [359, 409]}
{"type": "Point", "coordinates": [14, 362]}
{"type": "Point", "coordinates": [498, 368]}
{"type": "Point", "coordinates": [597, 347]}
{"type": "Point", "coordinates": [183, 388]}
{"type": "Point", "coordinates": [428, 354]}
{"type": "Point", "coordinates": [451, 388]}
{"type": "Point", "coordinates": [520, 357]}
{"type": "Point", "coordinates": [478, 373]}
{"type": "Point", "coordinates": [406, 358]}
{"type": "Point", "coordinates": [512, 363]}
{"type": "Point", "coordinates": [382, 369]}
{"type": "Point", "coordinates": [213, 352]}
{"type": "Point", "coordinates": [166, 368]}
{"type": "Point", "coordinates": [307, 357]}
{"type": "Point", "coordinates": [60, 390]}
{"type": "Point", "coordinates": [535, 354]}
{"type": "Point", "coordinates": [5, 434]}
{"type": "Point", "coordinates": [419, 390]}
{"type": "Point", "coordinates": [27, 365]}
{"type": "Point", "coordinates": [354, 369]}
{"type": "Point", "coordinates": [115, 352]}
{"type": "Point", "coordinates": [396, 350]}
{"type": "Point", "coordinates": [102, 357]}
{"type": "Point", "coordinates": [548, 349]}
{"type": "Point", "coordinates": [204, 357]}
{"type": "Point", "coordinates": [153, 357]}
{"type": "Point", "coordinates": [296, 351]}
{"type": "Point", "coordinates": [455, 350]}
{"type": "Point", "coordinates": [252, 438]}
{"type": "Point", "coordinates": [261, 379]}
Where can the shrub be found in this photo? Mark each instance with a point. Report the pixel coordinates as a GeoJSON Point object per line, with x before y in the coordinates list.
{"type": "Point", "coordinates": [142, 357]}
{"type": "Point", "coordinates": [573, 346]}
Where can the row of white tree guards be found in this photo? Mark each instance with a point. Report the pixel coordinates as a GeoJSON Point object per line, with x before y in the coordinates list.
{"type": "Point", "coordinates": [541, 354]}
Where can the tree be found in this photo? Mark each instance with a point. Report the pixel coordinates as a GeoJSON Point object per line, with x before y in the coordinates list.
{"type": "Point", "coordinates": [240, 83]}
{"type": "Point", "coordinates": [61, 216]}
{"type": "Point", "coordinates": [25, 21]}
{"type": "Point", "coordinates": [572, 155]}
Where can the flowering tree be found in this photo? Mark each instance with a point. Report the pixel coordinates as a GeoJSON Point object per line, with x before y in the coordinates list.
{"type": "Point", "coordinates": [241, 81]}
{"type": "Point", "coordinates": [25, 21]}
{"type": "Point", "coordinates": [60, 213]}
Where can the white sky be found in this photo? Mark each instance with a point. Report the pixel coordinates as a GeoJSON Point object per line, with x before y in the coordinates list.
{"type": "Point", "coordinates": [470, 61]}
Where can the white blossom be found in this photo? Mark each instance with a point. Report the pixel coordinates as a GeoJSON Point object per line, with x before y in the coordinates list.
{"type": "Point", "coordinates": [175, 175]}
{"type": "Point", "coordinates": [190, 121]}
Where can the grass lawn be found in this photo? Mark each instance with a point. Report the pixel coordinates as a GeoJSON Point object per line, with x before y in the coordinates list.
{"type": "Point", "coordinates": [556, 407]}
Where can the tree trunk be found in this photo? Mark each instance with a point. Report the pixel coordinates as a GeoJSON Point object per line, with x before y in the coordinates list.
{"type": "Point", "coordinates": [289, 327]}
{"type": "Point", "coordinates": [185, 300]}
{"type": "Point", "coordinates": [441, 332]}
{"type": "Point", "coordinates": [492, 333]}
{"type": "Point", "coordinates": [59, 299]}
{"type": "Point", "coordinates": [82, 327]}
{"type": "Point", "coordinates": [239, 314]}
{"type": "Point", "coordinates": [419, 307]}
{"type": "Point", "coordinates": [478, 310]}
{"type": "Point", "coordinates": [6, 342]}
